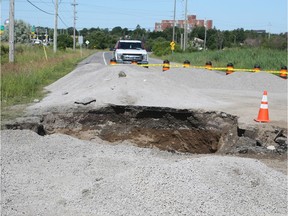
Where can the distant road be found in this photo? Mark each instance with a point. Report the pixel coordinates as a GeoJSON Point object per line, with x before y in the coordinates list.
{"type": "Point", "coordinates": [104, 58]}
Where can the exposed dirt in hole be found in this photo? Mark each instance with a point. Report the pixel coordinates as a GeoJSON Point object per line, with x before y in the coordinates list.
{"type": "Point", "coordinates": [174, 130]}
{"type": "Point", "coordinates": [164, 128]}
{"type": "Point", "coordinates": [181, 140]}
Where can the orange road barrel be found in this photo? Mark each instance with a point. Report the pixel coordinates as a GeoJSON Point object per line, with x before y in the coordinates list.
{"type": "Point", "coordinates": [283, 72]}
{"type": "Point", "coordinates": [208, 65]}
{"type": "Point", "coordinates": [186, 64]}
{"type": "Point", "coordinates": [230, 68]}
{"type": "Point", "coordinates": [113, 61]}
{"type": "Point", "coordinates": [257, 68]}
{"type": "Point", "coordinates": [166, 65]}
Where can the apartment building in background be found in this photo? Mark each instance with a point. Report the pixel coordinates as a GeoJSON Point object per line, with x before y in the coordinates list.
{"type": "Point", "coordinates": [191, 23]}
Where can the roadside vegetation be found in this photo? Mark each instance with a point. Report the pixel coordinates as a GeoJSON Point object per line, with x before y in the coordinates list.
{"type": "Point", "coordinates": [23, 80]}
{"type": "Point", "coordinates": [241, 58]}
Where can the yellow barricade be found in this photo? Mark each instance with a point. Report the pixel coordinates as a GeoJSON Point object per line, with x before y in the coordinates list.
{"type": "Point", "coordinates": [213, 68]}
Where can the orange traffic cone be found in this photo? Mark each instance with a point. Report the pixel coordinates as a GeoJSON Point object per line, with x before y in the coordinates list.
{"type": "Point", "coordinates": [263, 115]}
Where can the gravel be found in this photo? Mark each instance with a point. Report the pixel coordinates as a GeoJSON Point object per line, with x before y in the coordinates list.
{"type": "Point", "coordinates": [61, 175]}
{"type": "Point", "coordinates": [239, 93]}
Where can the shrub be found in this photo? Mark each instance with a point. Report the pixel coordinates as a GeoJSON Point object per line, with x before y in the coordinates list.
{"type": "Point", "coordinates": [4, 49]}
{"type": "Point", "coordinates": [161, 48]}
{"type": "Point", "coordinates": [64, 41]}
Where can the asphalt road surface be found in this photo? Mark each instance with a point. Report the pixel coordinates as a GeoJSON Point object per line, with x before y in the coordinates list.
{"type": "Point", "coordinates": [104, 58]}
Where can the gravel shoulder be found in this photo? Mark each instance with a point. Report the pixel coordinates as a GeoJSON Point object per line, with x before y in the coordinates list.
{"type": "Point", "coordinates": [61, 175]}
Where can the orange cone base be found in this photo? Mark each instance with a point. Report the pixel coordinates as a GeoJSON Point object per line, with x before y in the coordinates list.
{"type": "Point", "coordinates": [259, 120]}
{"type": "Point", "coordinates": [165, 68]}
{"type": "Point", "coordinates": [263, 116]}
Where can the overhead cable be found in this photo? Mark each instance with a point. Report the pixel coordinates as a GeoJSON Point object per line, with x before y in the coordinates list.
{"type": "Point", "coordinates": [39, 8]}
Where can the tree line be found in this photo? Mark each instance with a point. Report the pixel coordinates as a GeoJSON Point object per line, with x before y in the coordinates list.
{"type": "Point", "coordinates": [158, 42]}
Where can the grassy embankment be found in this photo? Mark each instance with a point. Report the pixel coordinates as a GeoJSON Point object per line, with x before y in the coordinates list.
{"type": "Point", "coordinates": [241, 58]}
{"type": "Point", "coordinates": [23, 80]}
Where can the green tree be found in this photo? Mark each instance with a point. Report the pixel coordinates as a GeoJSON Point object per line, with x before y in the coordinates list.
{"type": "Point", "coordinates": [275, 42]}
{"type": "Point", "coordinates": [211, 39]}
{"type": "Point", "coordinates": [161, 47]}
{"type": "Point", "coordinates": [198, 32]}
{"type": "Point", "coordinates": [64, 41]}
{"type": "Point", "coordinates": [227, 39]}
{"type": "Point", "coordinates": [97, 40]}
{"type": "Point", "coordinates": [155, 35]}
{"type": "Point", "coordinates": [139, 33]}
{"type": "Point", "coordinates": [117, 31]}
{"type": "Point", "coordinates": [84, 32]}
{"type": "Point", "coordinates": [240, 35]}
{"type": "Point", "coordinates": [70, 31]}
{"type": "Point", "coordinates": [22, 32]}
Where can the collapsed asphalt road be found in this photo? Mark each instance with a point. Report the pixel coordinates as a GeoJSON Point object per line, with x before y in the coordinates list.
{"type": "Point", "coordinates": [114, 108]}
{"type": "Point", "coordinates": [76, 106]}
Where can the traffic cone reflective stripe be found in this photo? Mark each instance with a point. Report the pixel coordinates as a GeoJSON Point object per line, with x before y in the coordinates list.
{"type": "Point", "coordinates": [263, 115]}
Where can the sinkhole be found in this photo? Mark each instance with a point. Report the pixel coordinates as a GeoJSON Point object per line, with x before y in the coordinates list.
{"type": "Point", "coordinates": [175, 130]}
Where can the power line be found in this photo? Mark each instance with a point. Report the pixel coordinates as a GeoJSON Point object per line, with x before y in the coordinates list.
{"type": "Point", "coordinates": [48, 13]}
{"type": "Point", "coordinates": [63, 21]}
{"type": "Point", "coordinates": [39, 8]}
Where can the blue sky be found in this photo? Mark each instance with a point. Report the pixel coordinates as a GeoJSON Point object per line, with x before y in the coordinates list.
{"type": "Point", "coordinates": [269, 15]}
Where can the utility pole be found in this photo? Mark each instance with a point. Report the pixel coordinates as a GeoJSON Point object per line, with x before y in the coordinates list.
{"type": "Point", "coordinates": [205, 37]}
{"type": "Point", "coordinates": [55, 27]}
{"type": "Point", "coordinates": [269, 30]}
{"type": "Point", "coordinates": [185, 28]}
{"type": "Point", "coordinates": [74, 29]}
{"type": "Point", "coordinates": [11, 32]}
{"type": "Point", "coordinates": [173, 37]}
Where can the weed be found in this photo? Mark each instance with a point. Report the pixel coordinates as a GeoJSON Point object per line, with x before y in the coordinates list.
{"type": "Point", "coordinates": [242, 58]}
{"type": "Point", "coordinates": [23, 81]}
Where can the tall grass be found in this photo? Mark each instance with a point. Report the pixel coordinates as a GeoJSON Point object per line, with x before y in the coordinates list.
{"type": "Point", "coordinates": [242, 58]}
{"type": "Point", "coordinates": [23, 80]}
